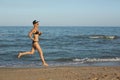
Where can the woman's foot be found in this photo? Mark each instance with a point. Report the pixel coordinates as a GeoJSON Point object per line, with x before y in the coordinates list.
{"type": "Point", "coordinates": [45, 64]}
{"type": "Point", "coordinates": [19, 55]}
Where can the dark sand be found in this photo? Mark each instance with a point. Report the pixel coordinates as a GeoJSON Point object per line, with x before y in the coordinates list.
{"type": "Point", "coordinates": [61, 73]}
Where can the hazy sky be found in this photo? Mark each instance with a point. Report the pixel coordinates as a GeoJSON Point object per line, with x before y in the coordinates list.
{"type": "Point", "coordinates": [60, 12]}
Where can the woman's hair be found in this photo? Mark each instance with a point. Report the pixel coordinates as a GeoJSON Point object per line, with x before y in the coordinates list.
{"type": "Point", "coordinates": [35, 21]}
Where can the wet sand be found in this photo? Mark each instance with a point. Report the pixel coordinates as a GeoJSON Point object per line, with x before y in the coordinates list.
{"type": "Point", "coordinates": [61, 73]}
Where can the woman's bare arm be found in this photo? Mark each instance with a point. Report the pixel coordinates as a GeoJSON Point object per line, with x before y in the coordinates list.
{"type": "Point", "coordinates": [30, 34]}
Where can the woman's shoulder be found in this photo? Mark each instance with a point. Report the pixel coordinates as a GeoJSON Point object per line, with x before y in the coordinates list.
{"type": "Point", "coordinates": [33, 30]}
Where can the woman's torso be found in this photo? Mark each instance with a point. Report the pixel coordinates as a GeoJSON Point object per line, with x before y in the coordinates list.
{"type": "Point", "coordinates": [36, 35]}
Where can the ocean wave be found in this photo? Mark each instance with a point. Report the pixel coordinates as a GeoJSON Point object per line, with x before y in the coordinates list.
{"type": "Point", "coordinates": [76, 36]}
{"type": "Point", "coordinates": [96, 60]}
{"type": "Point", "coordinates": [63, 59]}
{"type": "Point", "coordinates": [93, 36]}
{"type": "Point", "coordinates": [102, 37]}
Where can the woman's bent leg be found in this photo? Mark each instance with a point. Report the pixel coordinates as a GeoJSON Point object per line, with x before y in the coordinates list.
{"type": "Point", "coordinates": [41, 54]}
{"type": "Point", "coordinates": [25, 53]}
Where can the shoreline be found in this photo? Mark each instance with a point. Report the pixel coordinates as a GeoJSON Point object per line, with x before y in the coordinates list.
{"type": "Point", "coordinates": [62, 73]}
{"type": "Point", "coordinates": [63, 64]}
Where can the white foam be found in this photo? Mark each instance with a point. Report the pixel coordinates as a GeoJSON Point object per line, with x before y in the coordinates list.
{"type": "Point", "coordinates": [102, 37]}
{"type": "Point", "coordinates": [96, 60]}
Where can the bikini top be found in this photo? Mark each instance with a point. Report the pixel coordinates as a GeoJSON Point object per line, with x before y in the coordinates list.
{"type": "Point", "coordinates": [37, 32]}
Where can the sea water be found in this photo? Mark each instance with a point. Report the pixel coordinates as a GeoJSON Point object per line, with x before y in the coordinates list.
{"type": "Point", "coordinates": [62, 46]}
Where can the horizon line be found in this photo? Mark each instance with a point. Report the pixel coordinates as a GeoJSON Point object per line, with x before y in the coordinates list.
{"type": "Point", "coordinates": [63, 26]}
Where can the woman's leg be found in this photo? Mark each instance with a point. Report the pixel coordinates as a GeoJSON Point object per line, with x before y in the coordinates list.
{"type": "Point", "coordinates": [41, 54]}
{"type": "Point", "coordinates": [25, 53]}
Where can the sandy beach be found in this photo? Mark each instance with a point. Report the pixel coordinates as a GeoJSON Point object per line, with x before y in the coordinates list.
{"type": "Point", "coordinates": [61, 73]}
